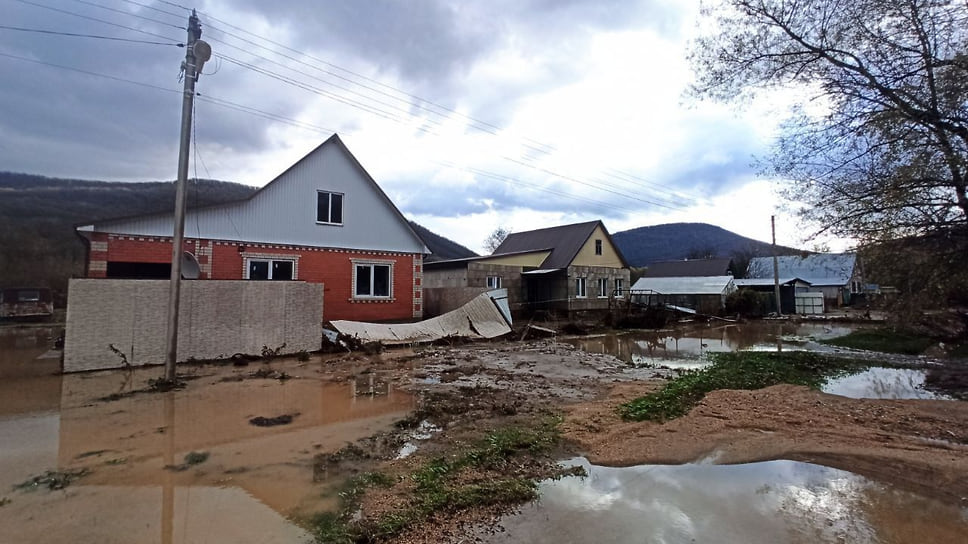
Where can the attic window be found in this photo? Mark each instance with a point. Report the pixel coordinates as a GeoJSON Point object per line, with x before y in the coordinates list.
{"type": "Point", "coordinates": [598, 247]}
{"type": "Point", "coordinates": [329, 208]}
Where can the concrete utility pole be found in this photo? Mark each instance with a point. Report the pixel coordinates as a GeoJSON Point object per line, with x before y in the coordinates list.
{"type": "Point", "coordinates": [188, 100]}
{"type": "Point", "coordinates": [776, 268]}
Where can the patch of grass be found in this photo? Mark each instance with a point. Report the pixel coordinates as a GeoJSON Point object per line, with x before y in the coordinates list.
{"type": "Point", "coordinates": [53, 479]}
{"type": "Point", "coordinates": [740, 370]}
{"type": "Point", "coordinates": [884, 341]}
{"type": "Point", "coordinates": [480, 474]}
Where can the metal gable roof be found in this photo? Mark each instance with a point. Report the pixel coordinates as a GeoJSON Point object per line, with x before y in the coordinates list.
{"type": "Point", "coordinates": [817, 268]}
{"type": "Point", "coordinates": [687, 285]}
{"type": "Point", "coordinates": [565, 242]}
{"type": "Point", "coordinates": [690, 267]}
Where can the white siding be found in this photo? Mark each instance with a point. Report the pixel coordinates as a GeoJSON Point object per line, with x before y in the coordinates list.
{"type": "Point", "coordinates": [284, 212]}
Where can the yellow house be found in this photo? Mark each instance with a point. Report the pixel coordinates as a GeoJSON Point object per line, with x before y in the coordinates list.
{"type": "Point", "coordinates": [569, 268]}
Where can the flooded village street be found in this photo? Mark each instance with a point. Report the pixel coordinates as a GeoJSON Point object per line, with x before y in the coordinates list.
{"type": "Point", "coordinates": [255, 451]}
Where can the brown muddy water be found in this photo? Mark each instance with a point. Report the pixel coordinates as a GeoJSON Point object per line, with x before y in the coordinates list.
{"type": "Point", "coordinates": [254, 483]}
{"type": "Point", "coordinates": [775, 502]}
{"type": "Point", "coordinates": [685, 347]}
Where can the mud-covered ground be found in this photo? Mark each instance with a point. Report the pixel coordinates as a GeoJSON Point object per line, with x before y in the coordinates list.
{"type": "Point", "coordinates": [398, 412]}
{"type": "Point", "coordinates": [918, 445]}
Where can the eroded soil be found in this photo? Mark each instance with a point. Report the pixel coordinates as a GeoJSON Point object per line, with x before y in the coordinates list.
{"type": "Point", "coordinates": [460, 393]}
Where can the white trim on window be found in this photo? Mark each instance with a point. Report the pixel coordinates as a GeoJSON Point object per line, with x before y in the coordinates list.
{"type": "Point", "coordinates": [580, 290]}
{"type": "Point", "coordinates": [335, 208]}
{"type": "Point", "coordinates": [372, 284]}
{"type": "Point", "coordinates": [270, 266]}
{"type": "Point", "coordinates": [493, 282]}
{"type": "Point", "coordinates": [619, 286]}
{"type": "Point", "coordinates": [603, 288]}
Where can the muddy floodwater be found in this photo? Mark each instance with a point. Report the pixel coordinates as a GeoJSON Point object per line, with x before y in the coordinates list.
{"type": "Point", "coordinates": [883, 383]}
{"type": "Point", "coordinates": [773, 502]}
{"type": "Point", "coordinates": [685, 347]}
{"type": "Point", "coordinates": [250, 485]}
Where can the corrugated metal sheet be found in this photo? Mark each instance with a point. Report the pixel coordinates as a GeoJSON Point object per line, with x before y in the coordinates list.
{"type": "Point", "coordinates": [486, 316]}
{"type": "Point", "coordinates": [284, 211]}
{"type": "Point", "coordinates": [692, 267]}
{"type": "Point", "coordinates": [708, 285]}
{"type": "Point", "coordinates": [750, 282]}
{"type": "Point", "coordinates": [817, 269]}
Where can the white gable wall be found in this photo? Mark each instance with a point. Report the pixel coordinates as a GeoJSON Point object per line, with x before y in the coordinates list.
{"type": "Point", "coordinates": [284, 212]}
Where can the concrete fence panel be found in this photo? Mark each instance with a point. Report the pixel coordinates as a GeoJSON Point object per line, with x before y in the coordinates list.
{"type": "Point", "coordinates": [109, 321]}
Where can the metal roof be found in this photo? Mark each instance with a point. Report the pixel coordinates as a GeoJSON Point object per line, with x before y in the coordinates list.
{"type": "Point", "coordinates": [687, 285]}
{"type": "Point", "coordinates": [565, 242]}
{"type": "Point", "coordinates": [816, 269]}
{"type": "Point", "coordinates": [690, 267]}
{"type": "Point", "coordinates": [747, 282]}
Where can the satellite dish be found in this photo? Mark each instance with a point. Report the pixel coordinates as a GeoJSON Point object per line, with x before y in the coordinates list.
{"type": "Point", "coordinates": [190, 269]}
{"type": "Point", "coordinates": [202, 52]}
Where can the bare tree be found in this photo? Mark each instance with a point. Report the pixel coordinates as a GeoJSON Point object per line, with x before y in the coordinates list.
{"type": "Point", "coordinates": [886, 157]}
{"type": "Point", "coordinates": [495, 239]}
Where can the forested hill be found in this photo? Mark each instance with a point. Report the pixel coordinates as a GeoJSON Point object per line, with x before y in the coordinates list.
{"type": "Point", "coordinates": [675, 241]}
{"type": "Point", "coordinates": [38, 245]}
{"type": "Point", "coordinates": [441, 248]}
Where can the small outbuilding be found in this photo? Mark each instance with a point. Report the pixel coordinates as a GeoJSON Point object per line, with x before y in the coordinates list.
{"type": "Point", "coordinates": [790, 289]}
{"type": "Point", "coordinates": [704, 294]}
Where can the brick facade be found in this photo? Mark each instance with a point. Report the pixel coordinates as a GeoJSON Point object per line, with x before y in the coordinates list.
{"type": "Point", "coordinates": [223, 260]}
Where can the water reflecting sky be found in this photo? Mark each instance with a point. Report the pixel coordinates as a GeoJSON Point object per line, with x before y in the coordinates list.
{"type": "Point", "coordinates": [770, 502]}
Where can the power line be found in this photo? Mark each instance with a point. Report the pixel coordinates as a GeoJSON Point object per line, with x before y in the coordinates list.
{"type": "Point", "coordinates": [149, 6]}
{"type": "Point", "coordinates": [514, 182]}
{"type": "Point", "coordinates": [128, 13]}
{"type": "Point", "coordinates": [89, 18]}
{"type": "Point", "coordinates": [476, 123]}
{"type": "Point", "coordinates": [72, 34]}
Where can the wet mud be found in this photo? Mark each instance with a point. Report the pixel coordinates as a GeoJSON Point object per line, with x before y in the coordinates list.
{"type": "Point", "coordinates": [353, 413]}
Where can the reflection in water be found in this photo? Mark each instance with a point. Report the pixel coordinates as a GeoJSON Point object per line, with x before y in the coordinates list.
{"type": "Point", "coordinates": [771, 502]}
{"type": "Point", "coordinates": [883, 383]}
{"type": "Point", "coordinates": [684, 348]}
{"type": "Point", "coordinates": [254, 476]}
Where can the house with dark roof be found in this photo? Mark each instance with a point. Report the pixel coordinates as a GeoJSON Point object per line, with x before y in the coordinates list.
{"type": "Point", "coordinates": [690, 268]}
{"type": "Point", "coordinates": [323, 220]}
{"type": "Point", "coordinates": [568, 268]}
{"type": "Point", "coordinates": [839, 276]}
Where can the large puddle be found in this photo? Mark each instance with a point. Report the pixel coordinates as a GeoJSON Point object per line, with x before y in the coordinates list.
{"type": "Point", "coordinates": [685, 348]}
{"type": "Point", "coordinates": [884, 383]}
{"type": "Point", "coordinates": [773, 502]}
{"type": "Point", "coordinates": [254, 482]}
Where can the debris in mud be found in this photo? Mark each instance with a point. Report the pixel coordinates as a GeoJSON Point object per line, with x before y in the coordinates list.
{"type": "Point", "coordinates": [574, 329]}
{"type": "Point", "coordinates": [53, 479]}
{"type": "Point", "coordinates": [91, 454]}
{"type": "Point", "coordinates": [192, 458]}
{"type": "Point", "coordinates": [269, 354]}
{"type": "Point", "coordinates": [5, 501]}
{"type": "Point", "coordinates": [284, 419]}
{"type": "Point", "coordinates": [268, 373]}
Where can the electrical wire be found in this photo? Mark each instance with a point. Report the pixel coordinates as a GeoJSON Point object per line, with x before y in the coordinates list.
{"type": "Point", "coordinates": [89, 18]}
{"type": "Point", "coordinates": [149, 6]}
{"type": "Point", "coordinates": [511, 181]}
{"type": "Point", "coordinates": [75, 35]}
{"type": "Point", "coordinates": [128, 13]}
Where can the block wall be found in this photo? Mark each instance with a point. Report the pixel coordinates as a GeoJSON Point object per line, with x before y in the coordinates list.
{"type": "Point", "coordinates": [216, 320]}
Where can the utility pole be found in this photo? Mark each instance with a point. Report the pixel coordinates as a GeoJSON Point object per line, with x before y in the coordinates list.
{"type": "Point", "coordinates": [776, 268]}
{"type": "Point", "coordinates": [188, 99]}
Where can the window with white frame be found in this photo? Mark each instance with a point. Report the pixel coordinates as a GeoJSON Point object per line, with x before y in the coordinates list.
{"type": "Point", "coordinates": [619, 285]}
{"type": "Point", "coordinates": [329, 208]}
{"type": "Point", "coordinates": [269, 269]}
{"type": "Point", "coordinates": [855, 287]}
{"type": "Point", "coordinates": [580, 288]}
{"type": "Point", "coordinates": [372, 279]}
{"type": "Point", "coordinates": [493, 282]}
{"type": "Point", "coordinates": [602, 287]}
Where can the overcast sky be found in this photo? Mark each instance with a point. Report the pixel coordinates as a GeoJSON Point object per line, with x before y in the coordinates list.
{"type": "Point", "coordinates": [470, 115]}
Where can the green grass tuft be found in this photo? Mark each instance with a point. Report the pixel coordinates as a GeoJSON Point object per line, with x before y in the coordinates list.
{"type": "Point", "coordinates": [740, 370]}
{"type": "Point", "coordinates": [884, 341]}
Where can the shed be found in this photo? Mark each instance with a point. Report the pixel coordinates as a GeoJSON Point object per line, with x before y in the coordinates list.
{"type": "Point", "coordinates": [705, 294]}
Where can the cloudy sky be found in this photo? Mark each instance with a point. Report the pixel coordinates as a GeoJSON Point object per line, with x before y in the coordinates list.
{"type": "Point", "coordinates": [470, 115]}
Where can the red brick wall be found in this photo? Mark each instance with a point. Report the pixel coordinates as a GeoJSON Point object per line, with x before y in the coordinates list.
{"type": "Point", "coordinates": [332, 267]}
